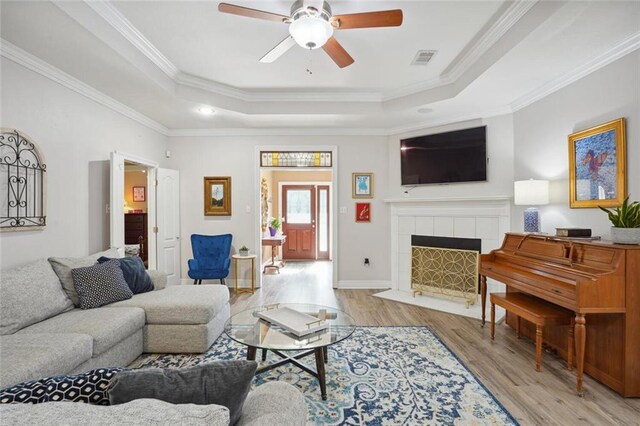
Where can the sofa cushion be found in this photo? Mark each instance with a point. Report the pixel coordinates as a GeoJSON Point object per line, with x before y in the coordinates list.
{"type": "Point", "coordinates": [106, 325]}
{"type": "Point", "coordinates": [221, 382]}
{"type": "Point", "coordinates": [134, 273]}
{"type": "Point", "coordinates": [138, 412]}
{"type": "Point", "coordinates": [63, 266]}
{"type": "Point", "coordinates": [33, 356]}
{"type": "Point", "coordinates": [181, 304]}
{"type": "Point", "coordinates": [90, 388]}
{"type": "Point", "coordinates": [100, 284]}
{"type": "Point", "coordinates": [29, 294]}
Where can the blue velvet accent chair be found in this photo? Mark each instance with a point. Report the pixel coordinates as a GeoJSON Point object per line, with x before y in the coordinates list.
{"type": "Point", "coordinates": [211, 257]}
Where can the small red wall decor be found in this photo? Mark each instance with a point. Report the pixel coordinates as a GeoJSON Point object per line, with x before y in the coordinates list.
{"type": "Point", "coordinates": [363, 212]}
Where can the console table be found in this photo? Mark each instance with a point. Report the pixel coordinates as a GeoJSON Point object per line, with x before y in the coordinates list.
{"type": "Point", "coordinates": [274, 243]}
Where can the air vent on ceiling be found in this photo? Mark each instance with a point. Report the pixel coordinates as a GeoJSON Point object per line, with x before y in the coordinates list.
{"type": "Point", "coordinates": [423, 57]}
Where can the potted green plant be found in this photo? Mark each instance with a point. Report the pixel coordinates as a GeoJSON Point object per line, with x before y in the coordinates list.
{"type": "Point", "coordinates": [626, 222]}
{"type": "Point", "coordinates": [274, 226]}
{"type": "Point", "coordinates": [244, 251]}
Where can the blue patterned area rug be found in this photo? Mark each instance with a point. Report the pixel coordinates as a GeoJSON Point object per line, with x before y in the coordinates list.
{"type": "Point", "coordinates": [378, 376]}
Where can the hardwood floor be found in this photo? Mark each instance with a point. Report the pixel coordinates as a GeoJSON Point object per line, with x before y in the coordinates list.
{"type": "Point", "coordinates": [505, 366]}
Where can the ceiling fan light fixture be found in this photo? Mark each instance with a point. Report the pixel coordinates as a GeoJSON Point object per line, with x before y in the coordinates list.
{"type": "Point", "coordinates": [311, 32]}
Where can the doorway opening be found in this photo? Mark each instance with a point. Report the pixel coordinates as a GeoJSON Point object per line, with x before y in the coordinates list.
{"type": "Point", "coordinates": [136, 211]}
{"type": "Point", "coordinates": [146, 204]}
{"type": "Point", "coordinates": [303, 200]}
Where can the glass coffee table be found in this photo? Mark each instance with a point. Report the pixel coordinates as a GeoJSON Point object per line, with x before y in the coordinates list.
{"type": "Point", "coordinates": [248, 329]}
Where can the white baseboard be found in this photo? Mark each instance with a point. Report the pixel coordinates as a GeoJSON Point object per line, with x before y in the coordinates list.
{"type": "Point", "coordinates": [363, 284]}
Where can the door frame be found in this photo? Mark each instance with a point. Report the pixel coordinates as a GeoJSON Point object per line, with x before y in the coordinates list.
{"type": "Point", "coordinates": [116, 202]}
{"type": "Point", "coordinates": [257, 231]}
{"type": "Point", "coordinates": [331, 219]}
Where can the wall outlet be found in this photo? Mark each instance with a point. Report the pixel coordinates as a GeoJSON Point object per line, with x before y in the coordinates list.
{"type": "Point", "coordinates": [343, 210]}
{"type": "Point", "coordinates": [248, 209]}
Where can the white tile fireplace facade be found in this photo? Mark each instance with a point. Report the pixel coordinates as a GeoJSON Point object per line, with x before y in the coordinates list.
{"type": "Point", "coordinates": [485, 218]}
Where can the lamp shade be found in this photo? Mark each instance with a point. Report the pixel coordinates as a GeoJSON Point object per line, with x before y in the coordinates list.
{"type": "Point", "coordinates": [531, 192]}
{"type": "Point", "coordinates": [311, 32]}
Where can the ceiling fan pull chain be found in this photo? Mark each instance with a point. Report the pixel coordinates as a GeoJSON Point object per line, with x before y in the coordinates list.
{"type": "Point", "coordinates": [309, 67]}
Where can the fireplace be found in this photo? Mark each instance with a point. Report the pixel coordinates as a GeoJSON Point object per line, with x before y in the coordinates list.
{"type": "Point", "coordinates": [483, 219]}
{"type": "Point", "coordinates": [445, 266]}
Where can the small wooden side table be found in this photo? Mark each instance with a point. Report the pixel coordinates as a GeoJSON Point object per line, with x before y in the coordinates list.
{"type": "Point", "coordinates": [236, 258]}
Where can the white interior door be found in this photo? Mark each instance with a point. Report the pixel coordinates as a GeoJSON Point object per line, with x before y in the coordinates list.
{"type": "Point", "coordinates": [116, 200]}
{"type": "Point", "coordinates": [168, 222]}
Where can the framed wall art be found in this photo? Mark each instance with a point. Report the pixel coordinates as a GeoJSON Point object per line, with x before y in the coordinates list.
{"type": "Point", "coordinates": [363, 212]}
{"type": "Point", "coordinates": [597, 166]}
{"type": "Point", "coordinates": [362, 185]}
{"type": "Point", "coordinates": [217, 196]}
{"type": "Point", "coordinates": [139, 194]}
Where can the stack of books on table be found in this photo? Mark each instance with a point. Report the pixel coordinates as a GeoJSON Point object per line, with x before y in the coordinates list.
{"type": "Point", "coordinates": [576, 233]}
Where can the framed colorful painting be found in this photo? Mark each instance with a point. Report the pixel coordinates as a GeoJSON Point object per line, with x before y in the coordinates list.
{"type": "Point", "coordinates": [597, 166]}
{"type": "Point", "coordinates": [217, 196]}
{"type": "Point", "coordinates": [362, 185]}
{"type": "Point", "coordinates": [363, 212]}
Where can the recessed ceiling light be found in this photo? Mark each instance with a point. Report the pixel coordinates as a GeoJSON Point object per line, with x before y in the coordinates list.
{"type": "Point", "coordinates": [424, 110]}
{"type": "Point", "coordinates": [206, 110]}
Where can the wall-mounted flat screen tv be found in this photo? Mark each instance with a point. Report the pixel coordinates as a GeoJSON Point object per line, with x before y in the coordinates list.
{"type": "Point", "coordinates": [459, 156]}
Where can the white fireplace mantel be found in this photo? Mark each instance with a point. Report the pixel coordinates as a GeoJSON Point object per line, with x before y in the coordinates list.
{"type": "Point", "coordinates": [487, 218]}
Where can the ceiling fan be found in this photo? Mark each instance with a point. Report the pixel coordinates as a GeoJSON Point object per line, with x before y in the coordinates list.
{"type": "Point", "coordinates": [311, 25]}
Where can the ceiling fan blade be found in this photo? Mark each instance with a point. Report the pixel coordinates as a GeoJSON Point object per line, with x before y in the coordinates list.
{"type": "Point", "coordinates": [337, 53]}
{"type": "Point", "coordinates": [251, 13]}
{"type": "Point", "coordinates": [279, 50]}
{"type": "Point", "coordinates": [383, 18]}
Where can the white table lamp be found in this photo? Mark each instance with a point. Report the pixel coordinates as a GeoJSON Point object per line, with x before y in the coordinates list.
{"type": "Point", "coordinates": [531, 193]}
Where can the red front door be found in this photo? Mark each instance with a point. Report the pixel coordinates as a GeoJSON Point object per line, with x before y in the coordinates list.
{"type": "Point", "coordinates": [299, 221]}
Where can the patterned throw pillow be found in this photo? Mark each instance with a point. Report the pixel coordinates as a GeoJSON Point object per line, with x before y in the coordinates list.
{"type": "Point", "coordinates": [90, 387]}
{"type": "Point", "coordinates": [100, 284]}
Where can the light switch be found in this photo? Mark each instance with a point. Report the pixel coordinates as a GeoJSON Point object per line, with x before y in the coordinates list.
{"type": "Point", "coordinates": [343, 210]}
{"type": "Point", "coordinates": [248, 209]}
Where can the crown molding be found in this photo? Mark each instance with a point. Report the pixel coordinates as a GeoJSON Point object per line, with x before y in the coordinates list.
{"type": "Point", "coordinates": [624, 48]}
{"type": "Point", "coordinates": [301, 131]}
{"type": "Point", "coordinates": [340, 131]}
{"type": "Point", "coordinates": [463, 62]}
{"type": "Point", "coordinates": [498, 29]}
{"type": "Point", "coordinates": [120, 23]}
{"type": "Point", "coordinates": [268, 96]}
{"type": "Point", "coordinates": [37, 65]}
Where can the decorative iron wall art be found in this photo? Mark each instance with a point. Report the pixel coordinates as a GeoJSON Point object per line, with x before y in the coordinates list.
{"type": "Point", "coordinates": [22, 183]}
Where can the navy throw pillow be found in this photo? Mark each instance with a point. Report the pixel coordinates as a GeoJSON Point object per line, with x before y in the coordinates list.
{"type": "Point", "coordinates": [134, 273]}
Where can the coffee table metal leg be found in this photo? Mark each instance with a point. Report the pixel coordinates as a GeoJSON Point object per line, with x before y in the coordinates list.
{"type": "Point", "coordinates": [320, 368]}
{"type": "Point", "coordinates": [326, 354]}
{"type": "Point", "coordinates": [251, 353]}
{"type": "Point", "coordinates": [264, 354]}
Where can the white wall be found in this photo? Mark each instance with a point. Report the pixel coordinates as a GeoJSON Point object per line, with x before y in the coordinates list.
{"type": "Point", "coordinates": [499, 169]}
{"type": "Point", "coordinates": [234, 156]}
{"type": "Point", "coordinates": [76, 136]}
{"type": "Point", "coordinates": [541, 146]}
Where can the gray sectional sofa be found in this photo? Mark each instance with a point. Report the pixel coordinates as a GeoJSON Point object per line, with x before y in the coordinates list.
{"type": "Point", "coordinates": [270, 404]}
{"type": "Point", "coordinates": [42, 333]}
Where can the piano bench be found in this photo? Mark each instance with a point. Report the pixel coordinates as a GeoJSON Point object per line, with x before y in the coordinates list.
{"type": "Point", "coordinates": [537, 311]}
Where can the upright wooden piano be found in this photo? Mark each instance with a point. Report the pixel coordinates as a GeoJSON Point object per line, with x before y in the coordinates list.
{"type": "Point", "coordinates": [599, 281]}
